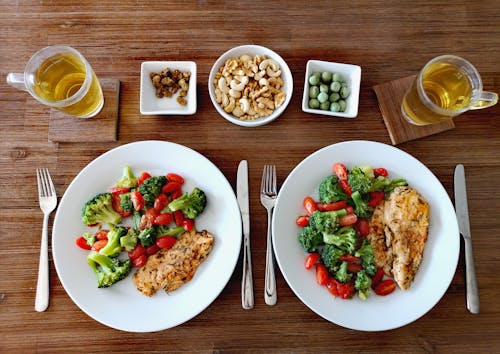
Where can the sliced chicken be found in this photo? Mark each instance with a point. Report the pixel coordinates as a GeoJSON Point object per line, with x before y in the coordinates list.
{"type": "Point", "coordinates": [170, 268]}
{"type": "Point", "coordinates": [382, 250]}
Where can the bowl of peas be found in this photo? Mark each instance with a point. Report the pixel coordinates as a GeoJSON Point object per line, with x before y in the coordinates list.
{"type": "Point", "coordinates": [331, 89]}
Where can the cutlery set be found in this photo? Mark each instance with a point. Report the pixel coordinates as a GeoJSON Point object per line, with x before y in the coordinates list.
{"type": "Point", "coordinates": [268, 195]}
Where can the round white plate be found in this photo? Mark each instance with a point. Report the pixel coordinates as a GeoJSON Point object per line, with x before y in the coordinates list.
{"type": "Point", "coordinates": [377, 313]}
{"type": "Point", "coordinates": [122, 306]}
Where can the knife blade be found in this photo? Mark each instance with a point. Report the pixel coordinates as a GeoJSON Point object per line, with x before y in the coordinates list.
{"type": "Point", "coordinates": [247, 298]}
{"type": "Point", "coordinates": [462, 211]}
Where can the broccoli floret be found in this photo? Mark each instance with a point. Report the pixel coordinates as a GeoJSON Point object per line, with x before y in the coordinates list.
{"type": "Point", "coordinates": [382, 183]}
{"type": "Point", "coordinates": [191, 204]}
{"type": "Point", "coordinates": [310, 239]}
{"type": "Point", "coordinates": [342, 275]}
{"type": "Point", "coordinates": [99, 209]}
{"type": "Point", "coordinates": [129, 241]}
{"type": "Point", "coordinates": [330, 191]}
{"type": "Point", "coordinates": [362, 284]}
{"type": "Point", "coordinates": [147, 237]}
{"type": "Point", "coordinates": [151, 188]}
{"type": "Point", "coordinates": [136, 219]}
{"type": "Point", "coordinates": [359, 181]}
{"type": "Point", "coordinates": [365, 253]}
{"type": "Point", "coordinates": [126, 203]}
{"type": "Point", "coordinates": [361, 207]}
{"type": "Point", "coordinates": [113, 247]}
{"type": "Point", "coordinates": [90, 238]}
{"type": "Point", "coordinates": [326, 221]}
{"type": "Point", "coordinates": [167, 231]}
{"type": "Point", "coordinates": [330, 256]}
{"type": "Point", "coordinates": [128, 180]}
{"type": "Point", "coordinates": [108, 270]}
{"type": "Point", "coordinates": [345, 239]}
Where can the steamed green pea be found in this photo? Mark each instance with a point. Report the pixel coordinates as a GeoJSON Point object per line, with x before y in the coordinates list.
{"type": "Point", "coordinates": [323, 88]}
{"type": "Point", "coordinates": [344, 92]}
{"type": "Point", "coordinates": [322, 97]}
{"type": "Point", "coordinates": [324, 106]}
{"type": "Point", "coordinates": [335, 86]}
{"type": "Point", "coordinates": [342, 105]}
{"type": "Point", "coordinates": [334, 97]}
{"type": "Point", "coordinates": [326, 77]}
{"type": "Point", "coordinates": [335, 107]}
{"type": "Point", "coordinates": [337, 77]}
{"type": "Point", "coordinates": [313, 91]}
{"type": "Point", "coordinates": [314, 79]}
{"type": "Point", "coordinates": [313, 103]}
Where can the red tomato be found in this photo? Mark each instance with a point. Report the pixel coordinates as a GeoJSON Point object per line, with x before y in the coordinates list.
{"type": "Point", "coordinates": [354, 267]}
{"type": "Point", "coordinates": [174, 177]}
{"type": "Point", "coordinates": [349, 209]}
{"type": "Point", "coordinates": [151, 215]}
{"type": "Point", "coordinates": [82, 243]}
{"type": "Point", "coordinates": [302, 221]}
{"type": "Point", "coordinates": [340, 171]}
{"type": "Point", "coordinates": [176, 194]}
{"type": "Point", "coordinates": [346, 290]}
{"type": "Point", "coordinates": [171, 187]}
{"type": "Point", "coordinates": [321, 274]}
{"type": "Point", "coordinates": [332, 286]}
{"type": "Point", "coordinates": [137, 251]}
{"type": "Point", "coordinates": [178, 217]}
{"type": "Point", "coordinates": [188, 224]}
{"type": "Point", "coordinates": [161, 202]}
{"type": "Point", "coordinates": [166, 241]}
{"type": "Point", "coordinates": [385, 287]}
{"type": "Point", "coordinates": [331, 206]}
{"type": "Point", "coordinates": [137, 200]}
{"type": "Point", "coordinates": [375, 198]}
{"type": "Point", "coordinates": [349, 258]}
{"type": "Point", "coordinates": [139, 261]}
{"type": "Point", "coordinates": [152, 249]}
{"type": "Point", "coordinates": [362, 227]}
{"type": "Point", "coordinates": [163, 219]}
{"type": "Point", "coordinates": [309, 205]}
{"type": "Point", "coordinates": [115, 203]}
{"type": "Point", "coordinates": [101, 235]}
{"type": "Point", "coordinates": [119, 190]}
{"type": "Point", "coordinates": [99, 244]}
{"type": "Point", "coordinates": [380, 172]}
{"type": "Point", "coordinates": [311, 260]}
{"type": "Point", "coordinates": [345, 187]}
{"type": "Point", "coordinates": [377, 278]}
{"type": "Point", "coordinates": [349, 219]}
{"type": "Point", "coordinates": [144, 176]}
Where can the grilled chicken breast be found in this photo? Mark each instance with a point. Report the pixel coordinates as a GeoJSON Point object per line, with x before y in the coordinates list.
{"type": "Point", "coordinates": [170, 268]}
{"type": "Point", "coordinates": [398, 233]}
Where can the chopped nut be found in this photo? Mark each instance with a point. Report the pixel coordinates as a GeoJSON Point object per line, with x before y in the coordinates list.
{"type": "Point", "coordinates": [167, 83]}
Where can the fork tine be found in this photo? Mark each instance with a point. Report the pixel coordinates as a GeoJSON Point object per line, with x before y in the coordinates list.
{"type": "Point", "coordinates": [52, 190]}
{"type": "Point", "coordinates": [263, 182]}
{"type": "Point", "coordinates": [39, 182]}
{"type": "Point", "coordinates": [268, 179]}
{"type": "Point", "coordinates": [273, 187]}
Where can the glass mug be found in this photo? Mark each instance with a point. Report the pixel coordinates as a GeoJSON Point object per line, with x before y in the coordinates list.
{"type": "Point", "coordinates": [446, 87]}
{"type": "Point", "coordinates": [60, 77]}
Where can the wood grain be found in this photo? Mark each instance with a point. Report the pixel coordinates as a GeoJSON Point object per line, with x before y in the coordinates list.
{"type": "Point", "coordinates": [388, 39]}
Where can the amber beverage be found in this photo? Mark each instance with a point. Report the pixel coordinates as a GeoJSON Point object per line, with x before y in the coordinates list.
{"type": "Point", "coordinates": [61, 77]}
{"type": "Point", "coordinates": [446, 87]}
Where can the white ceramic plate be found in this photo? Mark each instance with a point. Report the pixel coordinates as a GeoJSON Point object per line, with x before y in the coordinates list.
{"type": "Point", "coordinates": [122, 306]}
{"type": "Point", "coordinates": [377, 313]}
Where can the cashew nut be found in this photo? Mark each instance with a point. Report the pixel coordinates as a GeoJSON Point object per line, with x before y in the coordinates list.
{"type": "Point", "coordinates": [218, 95]}
{"type": "Point", "coordinates": [225, 100]}
{"type": "Point", "coordinates": [239, 83]}
{"type": "Point", "coordinates": [234, 93]}
{"type": "Point", "coordinates": [222, 84]}
{"type": "Point", "coordinates": [245, 105]}
{"type": "Point", "coordinates": [271, 67]}
{"type": "Point", "coordinates": [230, 107]}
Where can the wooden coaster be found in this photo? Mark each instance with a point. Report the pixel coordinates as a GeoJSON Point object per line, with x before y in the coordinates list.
{"type": "Point", "coordinates": [101, 128]}
{"type": "Point", "coordinates": [390, 95]}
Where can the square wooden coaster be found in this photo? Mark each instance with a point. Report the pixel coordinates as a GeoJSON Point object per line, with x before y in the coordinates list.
{"type": "Point", "coordinates": [390, 95]}
{"type": "Point", "coordinates": [101, 128]}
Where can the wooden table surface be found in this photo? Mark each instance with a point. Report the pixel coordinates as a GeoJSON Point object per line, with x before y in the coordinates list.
{"type": "Point", "coordinates": [388, 39]}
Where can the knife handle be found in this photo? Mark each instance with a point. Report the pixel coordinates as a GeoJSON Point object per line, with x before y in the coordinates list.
{"type": "Point", "coordinates": [247, 300]}
{"type": "Point", "coordinates": [470, 279]}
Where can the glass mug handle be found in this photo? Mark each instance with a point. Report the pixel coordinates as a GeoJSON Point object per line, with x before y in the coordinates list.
{"type": "Point", "coordinates": [485, 99]}
{"type": "Point", "coordinates": [16, 80]}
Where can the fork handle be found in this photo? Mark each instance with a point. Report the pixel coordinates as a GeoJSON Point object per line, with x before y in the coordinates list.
{"type": "Point", "coordinates": [270, 295]}
{"type": "Point", "coordinates": [42, 287]}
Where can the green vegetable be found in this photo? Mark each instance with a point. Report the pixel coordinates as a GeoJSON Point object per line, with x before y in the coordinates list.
{"type": "Point", "coordinates": [130, 240]}
{"type": "Point", "coordinates": [90, 238]}
{"type": "Point", "coordinates": [327, 87]}
{"type": "Point", "coordinates": [335, 107]}
{"type": "Point", "coordinates": [330, 256]}
{"type": "Point", "coordinates": [343, 105]}
{"type": "Point", "coordinates": [334, 97]}
{"type": "Point", "coordinates": [151, 188]}
{"type": "Point", "coordinates": [345, 92]}
{"type": "Point", "coordinates": [324, 106]}
{"type": "Point", "coordinates": [342, 275]}
{"type": "Point", "coordinates": [108, 270]}
{"type": "Point", "coordinates": [337, 77]}
{"type": "Point", "coordinates": [126, 203]}
{"type": "Point", "coordinates": [326, 222]}
{"type": "Point", "coordinates": [361, 207]}
{"type": "Point", "coordinates": [191, 204]}
{"type": "Point", "coordinates": [382, 183]}
{"type": "Point", "coordinates": [335, 86]}
{"type": "Point", "coordinates": [365, 253]}
{"type": "Point", "coordinates": [147, 236]}
{"type": "Point", "coordinates": [314, 79]}
{"type": "Point", "coordinates": [322, 97]}
{"type": "Point", "coordinates": [113, 247]}
{"type": "Point", "coordinates": [345, 239]}
{"type": "Point", "coordinates": [313, 91]}
{"type": "Point", "coordinates": [359, 180]}
{"type": "Point", "coordinates": [330, 191]}
{"type": "Point", "coordinates": [310, 239]}
{"type": "Point", "coordinates": [99, 209]}
{"type": "Point", "coordinates": [313, 103]}
{"type": "Point", "coordinates": [326, 77]}
{"type": "Point", "coordinates": [167, 231]}
{"type": "Point", "coordinates": [128, 179]}
{"type": "Point", "coordinates": [362, 284]}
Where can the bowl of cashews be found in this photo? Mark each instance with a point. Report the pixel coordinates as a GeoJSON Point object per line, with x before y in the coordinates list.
{"type": "Point", "coordinates": [250, 85]}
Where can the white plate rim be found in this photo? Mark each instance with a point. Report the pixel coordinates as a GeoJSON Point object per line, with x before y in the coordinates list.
{"type": "Point", "coordinates": [223, 257]}
{"type": "Point", "coordinates": [296, 276]}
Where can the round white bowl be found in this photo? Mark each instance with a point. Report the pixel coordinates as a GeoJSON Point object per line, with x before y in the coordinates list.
{"type": "Point", "coordinates": [252, 50]}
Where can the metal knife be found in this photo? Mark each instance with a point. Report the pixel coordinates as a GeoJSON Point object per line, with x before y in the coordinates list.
{"type": "Point", "coordinates": [247, 298]}
{"type": "Point", "coordinates": [462, 212]}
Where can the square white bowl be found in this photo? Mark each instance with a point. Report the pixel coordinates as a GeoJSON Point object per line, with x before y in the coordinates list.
{"type": "Point", "coordinates": [351, 75]}
{"type": "Point", "coordinates": [150, 104]}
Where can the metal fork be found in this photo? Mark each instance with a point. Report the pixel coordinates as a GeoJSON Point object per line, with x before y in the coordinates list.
{"type": "Point", "coordinates": [48, 201]}
{"type": "Point", "coordinates": [268, 193]}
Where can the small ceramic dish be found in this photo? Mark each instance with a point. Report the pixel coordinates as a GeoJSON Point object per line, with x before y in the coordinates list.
{"type": "Point", "coordinates": [150, 104]}
{"type": "Point", "coordinates": [351, 74]}
{"type": "Point", "coordinates": [252, 50]}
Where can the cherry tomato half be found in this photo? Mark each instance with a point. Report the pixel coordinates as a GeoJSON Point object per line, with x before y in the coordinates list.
{"type": "Point", "coordinates": [311, 260]}
{"type": "Point", "coordinates": [362, 227]}
{"type": "Point", "coordinates": [385, 287]}
{"type": "Point", "coordinates": [171, 187]}
{"type": "Point", "coordinates": [161, 202]}
{"type": "Point", "coordinates": [302, 221]}
{"type": "Point", "coordinates": [309, 205]}
{"type": "Point", "coordinates": [144, 176]}
{"type": "Point", "coordinates": [166, 241]}
{"type": "Point", "coordinates": [82, 243]}
{"type": "Point", "coordinates": [376, 197]}
{"type": "Point", "coordinates": [346, 290]}
{"type": "Point", "coordinates": [340, 171]}
{"type": "Point", "coordinates": [139, 261]}
{"type": "Point", "coordinates": [377, 278]}
{"type": "Point", "coordinates": [152, 249]}
{"type": "Point", "coordinates": [188, 224]}
{"type": "Point", "coordinates": [380, 172]}
{"type": "Point", "coordinates": [99, 244]}
{"type": "Point", "coordinates": [163, 219]}
{"type": "Point", "coordinates": [175, 178]}
{"type": "Point", "coordinates": [178, 217]}
{"type": "Point", "coordinates": [345, 187]}
{"type": "Point", "coordinates": [137, 251]}
{"type": "Point", "coordinates": [321, 274]}
{"type": "Point", "coordinates": [347, 220]}
{"type": "Point", "coordinates": [331, 206]}
{"type": "Point", "coordinates": [116, 204]}
{"type": "Point", "coordinates": [332, 286]}
{"type": "Point", "coordinates": [137, 200]}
